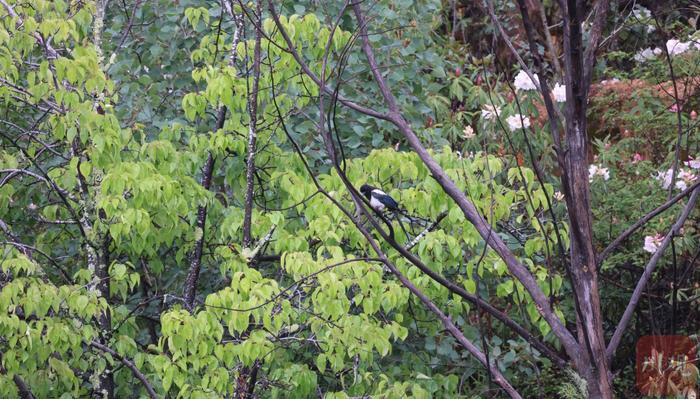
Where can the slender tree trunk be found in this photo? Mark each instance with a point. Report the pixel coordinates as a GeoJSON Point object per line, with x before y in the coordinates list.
{"type": "Point", "coordinates": [252, 133]}
{"type": "Point", "coordinates": [592, 364]}
{"type": "Point", "coordinates": [247, 377]}
{"type": "Point", "coordinates": [190, 288]}
{"type": "Point", "coordinates": [196, 259]}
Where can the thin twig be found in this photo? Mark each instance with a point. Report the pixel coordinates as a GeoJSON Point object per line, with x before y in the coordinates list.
{"type": "Point", "coordinates": [129, 364]}
{"type": "Point", "coordinates": [646, 276]}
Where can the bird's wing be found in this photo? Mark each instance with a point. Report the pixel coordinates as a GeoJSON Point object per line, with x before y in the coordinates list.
{"type": "Point", "coordinates": [385, 199]}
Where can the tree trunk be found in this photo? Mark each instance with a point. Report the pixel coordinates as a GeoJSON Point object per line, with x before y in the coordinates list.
{"type": "Point", "coordinates": [592, 362]}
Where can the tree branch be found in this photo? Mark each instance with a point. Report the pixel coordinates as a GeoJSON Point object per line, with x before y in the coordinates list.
{"type": "Point", "coordinates": [642, 221]}
{"type": "Point", "coordinates": [517, 269]}
{"type": "Point", "coordinates": [190, 288]}
{"type": "Point", "coordinates": [50, 51]}
{"type": "Point", "coordinates": [600, 14]}
{"type": "Point", "coordinates": [646, 276]}
{"type": "Point", "coordinates": [129, 364]}
{"type": "Point", "coordinates": [307, 71]}
{"type": "Point", "coordinates": [425, 232]}
{"type": "Point", "coordinates": [24, 391]}
{"type": "Point", "coordinates": [548, 37]}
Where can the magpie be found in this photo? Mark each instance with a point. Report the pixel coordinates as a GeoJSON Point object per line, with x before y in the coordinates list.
{"type": "Point", "coordinates": [378, 199]}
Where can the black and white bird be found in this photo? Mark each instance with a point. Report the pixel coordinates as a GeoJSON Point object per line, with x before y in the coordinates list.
{"type": "Point", "coordinates": [378, 199]}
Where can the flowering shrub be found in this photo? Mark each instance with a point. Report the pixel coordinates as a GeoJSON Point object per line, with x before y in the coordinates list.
{"type": "Point", "coordinates": [596, 170]}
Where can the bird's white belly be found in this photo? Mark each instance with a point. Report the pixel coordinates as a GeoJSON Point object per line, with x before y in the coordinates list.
{"type": "Point", "coordinates": [375, 204]}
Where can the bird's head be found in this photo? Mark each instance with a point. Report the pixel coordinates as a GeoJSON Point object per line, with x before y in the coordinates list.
{"type": "Point", "coordinates": [366, 189]}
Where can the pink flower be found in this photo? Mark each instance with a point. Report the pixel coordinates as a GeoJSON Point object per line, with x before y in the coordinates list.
{"type": "Point", "coordinates": [685, 179]}
{"type": "Point", "coordinates": [675, 108]}
{"type": "Point", "coordinates": [693, 163]}
{"type": "Point", "coordinates": [637, 157]}
{"type": "Point", "coordinates": [652, 243]}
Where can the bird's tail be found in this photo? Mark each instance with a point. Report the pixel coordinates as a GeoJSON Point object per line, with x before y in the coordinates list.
{"type": "Point", "coordinates": [403, 216]}
{"type": "Point", "coordinates": [410, 218]}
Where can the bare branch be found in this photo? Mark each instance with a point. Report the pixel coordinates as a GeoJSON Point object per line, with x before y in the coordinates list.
{"type": "Point", "coordinates": [600, 15]}
{"type": "Point", "coordinates": [28, 250]}
{"type": "Point", "coordinates": [24, 391]}
{"type": "Point", "coordinates": [129, 364]}
{"type": "Point", "coordinates": [17, 171]}
{"type": "Point", "coordinates": [509, 44]}
{"type": "Point", "coordinates": [646, 276]}
{"type": "Point", "coordinates": [125, 34]}
{"type": "Point", "coordinates": [190, 288]}
{"type": "Point", "coordinates": [642, 221]}
{"type": "Point", "coordinates": [305, 68]}
{"type": "Point", "coordinates": [548, 37]}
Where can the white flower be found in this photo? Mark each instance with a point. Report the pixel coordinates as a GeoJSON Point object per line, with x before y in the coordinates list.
{"type": "Point", "coordinates": [641, 13]}
{"type": "Point", "coordinates": [657, 51]}
{"type": "Point", "coordinates": [597, 170]}
{"type": "Point", "coordinates": [685, 179]}
{"type": "Point", "coordinates": [523, 82]}
{"type": "Point", "coordinates": [469, 132]}
{"type": "Point", "coordinates": [559, 93]}
{"type": "Point", "coordinates": [610, 81]}
{"type": "Point", "coordinates": [676, 47]}
{"type": "Point", "coordinates": [693, 163]}
{"type": "Point", "coordinates": [644, 15]}
{"type": "Point", "coordinates": [559, 196]}
{"type": "Point", "coordinates": [145, 68]}
{"type": "Point", "coordinates": [664, 178]}
{"type": "Point", "coordinates": [652, 243]}
{"type": "Point", "coordinates": [490, 112]}
{"type": "Point", "coordinates": [462, 156]}
{"type": "Point", "coordinates": [645, 55]}
{"type": "Point", "coordinates": [516, 122]}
